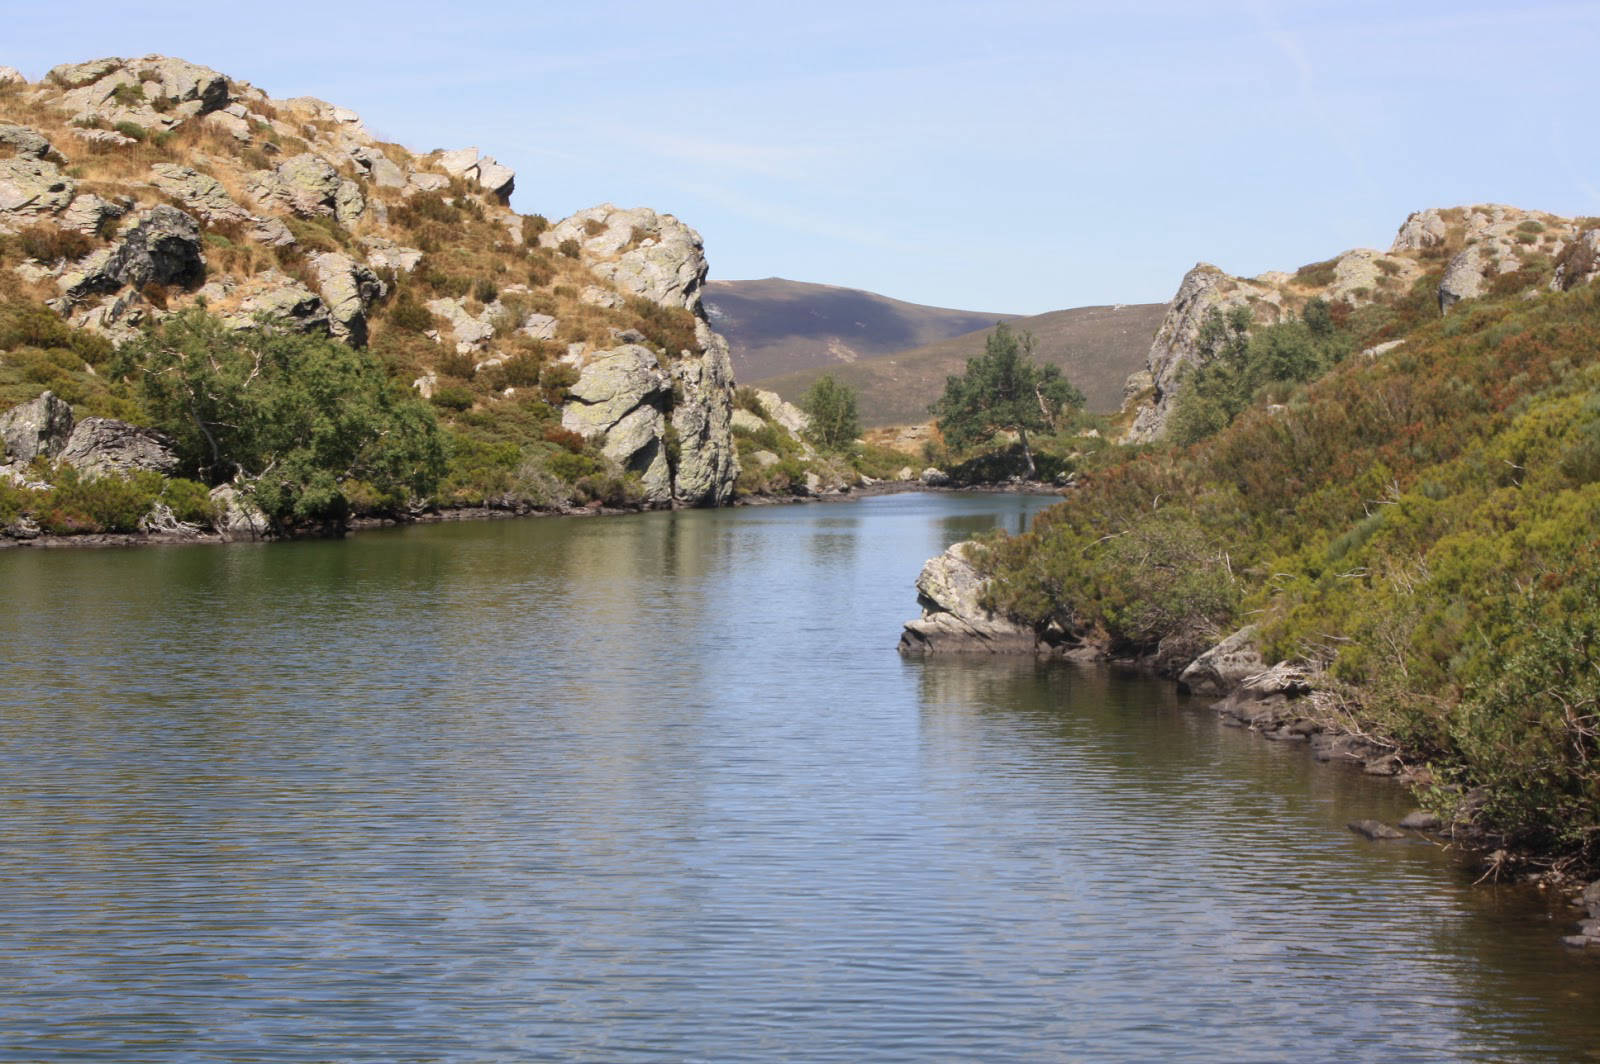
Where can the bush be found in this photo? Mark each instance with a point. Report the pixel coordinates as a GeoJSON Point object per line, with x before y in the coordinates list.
{"type": "Point", "coordinates": [672, 329]}
{"type": "Point", "coordinates": [569, 248]}
{"type": "Point", "coordinates": [294, 416]}
{"type": "Point", "coordinates": [49, 244]}
{"type": "Point", "coordinates": [132, 130]}
{"type": "Point", "coordinates": [831, 405]}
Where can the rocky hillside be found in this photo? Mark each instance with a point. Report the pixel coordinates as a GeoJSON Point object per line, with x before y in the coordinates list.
{"type": "Point", "coordinates": [1484, 249]}
{"type": "Point", "coordinates": [776, 326]}
{"type": "Point", "coordinates": [134, 189]}
{"type": "Point", "coordinates": [1096, 347]}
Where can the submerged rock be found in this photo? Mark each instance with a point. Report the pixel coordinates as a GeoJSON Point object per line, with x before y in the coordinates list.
{"type": "Point", "coordinates": [1376, 830]}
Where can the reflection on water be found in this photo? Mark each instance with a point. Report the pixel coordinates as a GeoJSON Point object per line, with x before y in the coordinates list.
{"type": "Point", "coordinates": [659, 786]}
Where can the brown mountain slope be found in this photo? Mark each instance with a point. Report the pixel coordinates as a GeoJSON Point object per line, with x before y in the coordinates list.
{"type": "Point", "coordinates": [1096, 347]}
{"type": "Point", "coordinates": [776, 326]}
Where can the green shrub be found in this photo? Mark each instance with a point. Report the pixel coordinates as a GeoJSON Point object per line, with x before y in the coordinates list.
{"type": "Point", "coordinates": [569, 248]}
{"type": "Point", "coordinates": [132, 130]}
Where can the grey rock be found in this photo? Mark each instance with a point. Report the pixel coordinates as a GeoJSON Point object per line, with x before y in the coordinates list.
{"type": "Point", "coordinates": [1225, 666]}
{"type": "Point", "coordinates": [38, 428]}
{"type": "Point", "coordinates": [1580, 941]}
{"type": "Point", "coordinates": [471, 332]}
{"type": "Point", "coordinates": [1421, 230]}
{"type": "Point", "coordinates": [102, 446]}
{"type": "Point", "coordinates": [348, 289]}
{"type": "Point", "coordinates": [1463, 278]}
{"type": "Point", "coordinates": [88, 213]}
{"type": "Point", "coordinates": [639, 251]}
{"type": "Point", "coordinates": [539, 327]}
{"type": "Point", "coordinates": [745, 421]}
{"type": "Point", "coordinates": [934, 477]}
{"type": "Point", "coordinates": [708, 463]}
{"type": "Point", "coordinates": [1591, 898]}
{"type": "Point", "coordinates": [162, 247]}
{"type": "Point", "coordinates": [308, 185]}
{"type": "Point", "coordinates": [1421, 820]}
{"type": "Point", "coordinates": [25, 141]}
{"type": "Point", "coordinates": [387, 255]}
{"type": "Point", "coordinates": [953, 619]}
{"type": "Point", "coordinates": [237, 517]}
{"type": "Point", "coordinates": [11, 76]}
{"type": "Point", "coordinates": [31, 188]}
{"type": "Point", "coordinates": [378, 167]}
{"type": "Point", "coordinates": [1376, 830]}
{"type": "Point", "coordinates": [788, 416]}
{"type": "Point", "coordinates": [619, 398]}
{"type": "Point", "coordinates": [596, 296]}
{"type": "Point", "coordinates": [285, 303]}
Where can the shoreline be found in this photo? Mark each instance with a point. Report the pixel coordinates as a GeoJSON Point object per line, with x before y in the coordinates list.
{"type": "Point", "coordinates": [480, 512]}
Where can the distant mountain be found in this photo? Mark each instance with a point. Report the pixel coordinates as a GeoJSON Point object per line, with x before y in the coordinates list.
{"type": "Point", "coordinates": [1096, 347]}
{"type": "Point", "coordinates": [776, 326]}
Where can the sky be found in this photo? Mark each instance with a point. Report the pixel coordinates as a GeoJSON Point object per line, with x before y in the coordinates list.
{"type": "Point", "coordinates": [1006, 156]}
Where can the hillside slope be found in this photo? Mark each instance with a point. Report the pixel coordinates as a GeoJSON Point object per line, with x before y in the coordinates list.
{"type": "Point", "coordinates": [567, 363]}
{"type": "Point", "coordinates": [776, 326]}
{"type": "Point", "coordinates": [1096, 347]}
{"type": "Point", "coordinates": [1390, 502]}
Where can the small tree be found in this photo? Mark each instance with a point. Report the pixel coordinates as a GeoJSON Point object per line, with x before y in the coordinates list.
{"type": "Point", "coordinates": [831, 405]}
{"type": "Point", "coordinates": [1004, 389]}
{"type": "Point", "coordinates": [294, 418]}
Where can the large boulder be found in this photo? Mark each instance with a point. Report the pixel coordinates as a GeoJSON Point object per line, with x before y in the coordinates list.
{"type": "Point", "coordinates": [308, 185]}
{"type": "Point", "coordinates": [1225, 666]}
{"type": "Point", "coordinates": [953, 619]}
{"type": "Point", "coordinates": [619, 399]}
{"type": "Point", "coordinates": [24, 141]}
{"type": "Point", "coordinates": [162, 247]}
{"type": "Point", "coordinates": [1176, 349]}
{"type": "Point", "coordinates": [708, 461]}
{"type": "Point", "coordinates": [790, 417]}
{"type": "Point", "coordinates": [499, 181]}
{"type": "Point", "coordinates": [471, 331]}
{"type": "Point", "coordinates": [102, 446]}
{"type": "Point", "coordinates": [639, 251]}
{"type": "Point", "coordinates": [31, 188]}
{"type": "Point", "coordinates": [1463, 278]}
{"type": "Point", "coordinates": [155, 91]}
{"type": "Point", "coordinates": [349, 289]}
{"type": "Point", "coordinates": [281, 301]}
{"type": "Point", "coordinates": [38, 428]}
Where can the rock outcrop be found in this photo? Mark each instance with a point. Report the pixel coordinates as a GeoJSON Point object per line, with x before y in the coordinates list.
{"type": "Point", "coordinates": [162, 247]}
{"type": "Point", "coordinates": [620, 398]}
{"type": "Point", "coordinates": [36, 429]}
{"type": "Point", "coordinates": [651, 255]}
{"type": "Point", "coordinates": [953, 619]}
{"type": "Point", "coordinates": [707, 464]}
{"type": "Point", "coordinates": [102, 446]}
{"type": "Point", "coordinates": [1225, 666]}
{"type": "Point", "coordinates": [96, 446]}
{"type": "Point", "coordinates": [348, 289]}
{"type": "Point", "coordinates": [1482, 243]}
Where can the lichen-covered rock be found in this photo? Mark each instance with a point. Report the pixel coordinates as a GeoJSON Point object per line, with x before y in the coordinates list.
{"type": "Point", "coordinates": [953, 619]}
{"type": "Point", "coordinates": [156, 92]}
{"type": "Point", "coordinates": [745, 421]}
{"type": "Point", "coordinates": [24, 141]}
{"type": "Point", "coordinates": [1463, 278]}
{"type": "Point", "coordinates": [88, 213]}
{"type": "Point", "coordinates": [282, 301]}
{"type": "Point", "coordinates": [650, 255]}
{"type": "Point", "coordinates": [1420, 231]}
{"type": "Point", "coordinates": [103, 446]}
{"type": "Point", "coordinates": [308, 185]}
{"type": "Point", "coordinates": [162, 247]}
{"type": "Point", "coordinates": [378, 167]}
{"type": "Point", "coordinates": [481, 170]}
{"type": "Point", "coordinates": [237, 517]}
{"type": "Point", "coordinates": [619, 398]}
{"type": "Point", "coordinates": [348, 290]}
{"type": "Point", "coordinates": [38, 428]}
{"type": "Point", "coordinates": [1225, 666]}
{"type": "Point", "coordinates": [708, 463]}
{"type": "Point", "coordinates": [31, 188]}
{"type": "Point", "coordinates": [385, 254]}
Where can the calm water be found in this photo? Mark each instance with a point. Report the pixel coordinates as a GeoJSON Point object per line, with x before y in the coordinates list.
{"type": "Point", "coordinates": [659, 787]}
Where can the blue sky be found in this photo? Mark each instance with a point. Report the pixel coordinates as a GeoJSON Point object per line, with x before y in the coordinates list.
{"type": "Point", "coordinates": [1013, 157]}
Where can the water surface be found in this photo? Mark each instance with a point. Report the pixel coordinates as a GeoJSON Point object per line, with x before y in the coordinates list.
{"type": "Point", "coordinates": [658, 787]}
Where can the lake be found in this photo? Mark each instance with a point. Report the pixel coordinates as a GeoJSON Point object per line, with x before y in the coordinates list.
{"type": "Point", "coordinates": [658, 787]}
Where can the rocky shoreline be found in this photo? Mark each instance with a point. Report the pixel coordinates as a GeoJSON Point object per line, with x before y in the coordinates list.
{"type": "Point", "coordinates": [439, 515]}
{"type": "Point", "coordinates": [1282, 703]}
